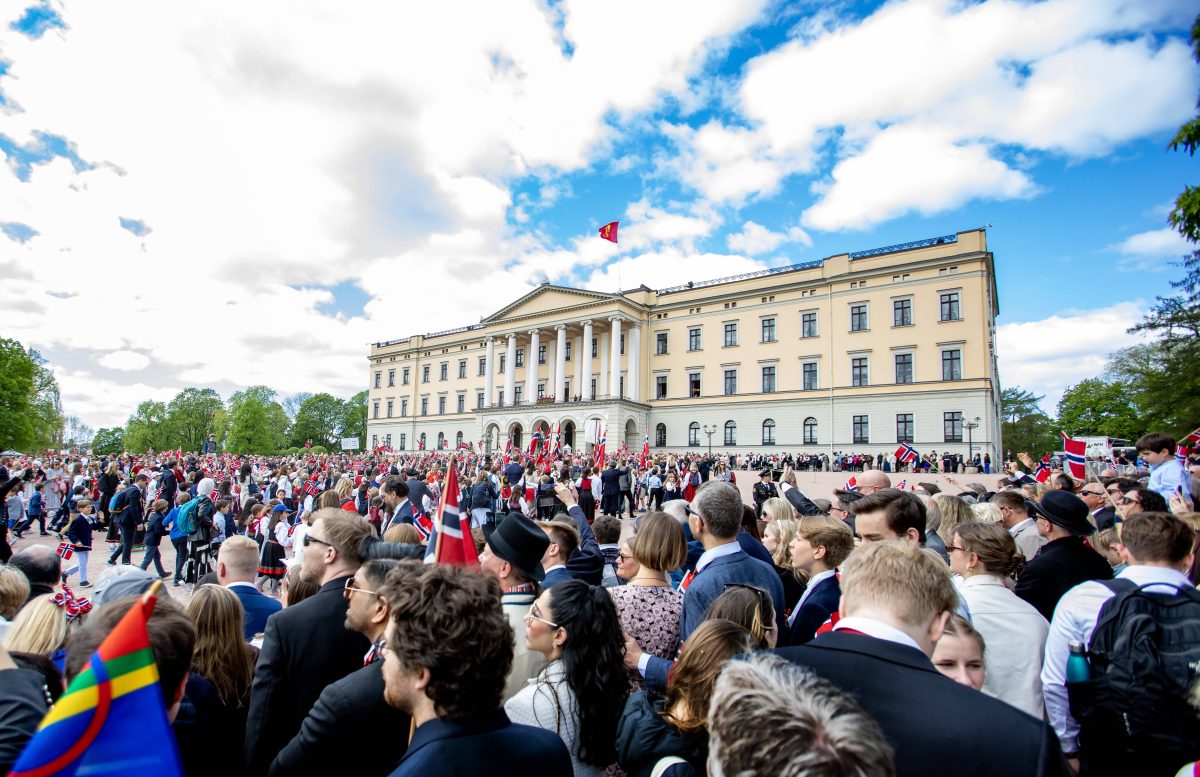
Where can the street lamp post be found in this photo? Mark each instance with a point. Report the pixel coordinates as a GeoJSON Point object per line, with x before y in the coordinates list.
{"type": "Point", "coordinates": [710, 431]}
{"type": "Point", "coordinates": [971, 425]}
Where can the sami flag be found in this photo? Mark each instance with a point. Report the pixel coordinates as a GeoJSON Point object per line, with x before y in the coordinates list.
{"type": "Point", "coordinates": [1075, 450]}
{"type": "Point", "coordinates": [88, 730]}
{"type": "Point", "coordinates": [609, 231]}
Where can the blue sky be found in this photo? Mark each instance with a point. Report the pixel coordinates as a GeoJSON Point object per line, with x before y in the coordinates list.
{"type": "Point", "coordinates": [306, 186]}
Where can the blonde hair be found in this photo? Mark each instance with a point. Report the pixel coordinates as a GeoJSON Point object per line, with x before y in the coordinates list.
{"type": "Point", "coordinates": [240, 554]}
{"type": "Point", "coordinates": [912, 585]}
{"type": "Point", "coordinates": [402, 532]}
{"type": "Point", "coordinates": [784, 530]}
{"type": "Point", "coordinates": [40, 627]}
{"type": "Point", "coordinates": [14, 590]}
{"type": "Point", "coordinates": [953, 511]}
{"type": "Point", "coordinates": [777, 507]}
{"type": "Point", "coordinates": [831, 533]}
{"type": "Point", "coordinates": [343, 488]}
{"type": "Point", "coordinates": [986, 512]}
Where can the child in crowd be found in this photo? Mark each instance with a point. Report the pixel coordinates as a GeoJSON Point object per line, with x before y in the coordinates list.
{"type": "Point", "coordinates": [79, 534]}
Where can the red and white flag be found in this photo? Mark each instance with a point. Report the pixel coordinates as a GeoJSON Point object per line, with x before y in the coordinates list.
{"type": "Point", "coordinates": [645, 450]}
{"type": "Point", "coordinates": [1076, 451]}
{"type": "Point", "coordinates": [454, 543]}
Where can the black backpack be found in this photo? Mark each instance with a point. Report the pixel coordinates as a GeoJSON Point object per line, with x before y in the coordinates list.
{"type": "Point", "coordinates": [1134, 714]}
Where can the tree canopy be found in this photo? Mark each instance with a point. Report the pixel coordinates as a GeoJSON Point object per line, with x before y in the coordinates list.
{"type": "Point", "coordinates": [30, 411]}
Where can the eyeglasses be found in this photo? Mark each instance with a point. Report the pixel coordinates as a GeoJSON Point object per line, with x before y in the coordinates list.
{"type": "Point", "coordinates": [1092, 493]}
{"type": "Point", "coordinates": [308, 539]}
{"type": "Point", "coordinates": [1128, 500]}
{"type": "Point", "coordinates": [349, 590]}
{"type": "Point", "coordinates": [623, 557]}
{"type": "Point", "coordinates": [529, 616]}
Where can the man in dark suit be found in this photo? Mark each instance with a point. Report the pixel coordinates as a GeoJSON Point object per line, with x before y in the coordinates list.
{"type": "Point", "coordinates": [417, 492]}
{"type": "Point", "coordinates": [237, 568]}
{"type": "Point", "coordinates": [896, 599]}
{"type": "Point", "coordinates": [353, 707]}
{"type": "Point", "coordinates": [1103, 516]}
{"type": "Point", "coordinates": [1064, 561]}
{"type": "Point", "coordinates": [129, 518]}
{"type": "Point", "coordinates": [821, 545]}
{"type": "Point", "coordinates": [514, 472]}
{"type": "Point", "coordinates": [449, 648]}
{"type": "Point", "coordinates": [583, 560]}
{"type": "Point", "coordinates": [307, 647]}
{"type": "Point", "coordinates": [395, 498]}
{"type": "Point", "coordinates": [168, 484]}
{"type": "Point", "coordinates": [610, 488]}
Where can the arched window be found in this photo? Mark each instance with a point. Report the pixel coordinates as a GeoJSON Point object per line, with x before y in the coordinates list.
{"type": "Point", "coordinates": [693, 433]}
{"type": "Point", "coordinates": [422, 440]}
{"type": "Point", "coordinates": [660, 435]}
{"type": "Point", "coordinates": [458, 440]}
{"type": "Point", "coordinates": [768, 432]}
{"type": "Point", "coordinates": [730, 433]}
{"type": "Point", "coordinates": [441, 440]}
{"type": "Point", "coordinates": [810, 431]}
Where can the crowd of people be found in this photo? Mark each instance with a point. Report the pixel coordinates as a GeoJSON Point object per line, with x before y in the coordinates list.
{"type": "Point", "coordinates": [637, 618]}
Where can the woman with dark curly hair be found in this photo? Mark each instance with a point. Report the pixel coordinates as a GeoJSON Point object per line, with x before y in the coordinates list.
{"type": "Point", "coordinates": [581, 692]}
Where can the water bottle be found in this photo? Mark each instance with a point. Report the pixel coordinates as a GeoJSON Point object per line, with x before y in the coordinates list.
{"type": "Point", "coordinates": [1078, 668]}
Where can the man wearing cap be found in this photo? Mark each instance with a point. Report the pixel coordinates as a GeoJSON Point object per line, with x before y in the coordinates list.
{"type": "Point", "coordinates": [1064, 561]}
{"type": "Point", "coordinates": [764, 489]}
{"type": "Point", "coordinates": [514, 556]}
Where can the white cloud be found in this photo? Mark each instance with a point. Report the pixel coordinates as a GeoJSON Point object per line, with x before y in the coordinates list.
{"type": "Point", "coordinates": [124, 360]}
{"type": "Point", "coordinates": [1048, 355]}
{"type": "Point", "coordinates": [276, 160]}
{"type": "Point", "coordinates": [911, 168]}
{"type": "Point", "coordinates": [1066, 77]}
{"type": "Point", "coordinates": [1152, 250]}
{"type": "Point", "coordinates": [755, 239]}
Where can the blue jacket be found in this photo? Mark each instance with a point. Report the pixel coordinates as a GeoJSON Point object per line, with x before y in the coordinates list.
{"type": "Point", "coordinates": [824, 600]}
{"type": "Point", "coordinates": [172, 522]}
{"type": "Point", "coordinates": [257, 606]}
{"type": "Point", "coordinates": [709, 583]}
{"type": "Point", "coordinates": [34, 508]}
{"type": "Point", "coordinates": [80, 533]}
{"type": "Point", "coordinates": [469, 748]}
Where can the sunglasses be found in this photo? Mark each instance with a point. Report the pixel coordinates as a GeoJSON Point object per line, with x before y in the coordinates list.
{"type": "Point", "coordinates": [1092, 493]}
{"type": "Point", "coordinates": [349, 590]}
{"type": "Point", "coordinates": [1127, 500]}
{"type": "Point", "coordinates": [309, 539]}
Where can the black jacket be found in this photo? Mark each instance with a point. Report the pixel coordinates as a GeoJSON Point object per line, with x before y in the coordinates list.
{"type": "Point", "coordinates": [610, 480]}
{"type": "Point", "coordinates": [305, 648]}
{"type": "Point", "coordinates": [22, 707]}
{"type": "Point", "coordinates": [934, 725]}
{"type": "Point", "coordinates": [349, 710]}
{"type": "Point", "coordinates": [168, 487]}
{"type": "Point", "coordinates": [1057, 568]}
{"type": "Point", "coordinates": [643, 738]}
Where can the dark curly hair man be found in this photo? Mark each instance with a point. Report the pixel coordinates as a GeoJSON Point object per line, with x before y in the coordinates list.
{"type": "Point", "coordinates": [449, 647]}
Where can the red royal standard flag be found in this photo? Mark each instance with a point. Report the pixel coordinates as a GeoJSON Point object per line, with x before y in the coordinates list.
{"type": "Point", "coordinates": [609, 231]}
{"type": "Point", "coordinates": [455, 545]}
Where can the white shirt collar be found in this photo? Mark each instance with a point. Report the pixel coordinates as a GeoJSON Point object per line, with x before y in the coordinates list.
{"type": "Point", "coordinates": [242, 584]}
{"type": "Point", "coordinates": [812, 583]}
{"type": "Point", "coordinates": [712, 554]}
{"type": "Point", "coordinates": [877, 629]}
{"type": "Point", "coordinates": [548, 570]}
{"type": "Point", "coordinates": [1143, 574]}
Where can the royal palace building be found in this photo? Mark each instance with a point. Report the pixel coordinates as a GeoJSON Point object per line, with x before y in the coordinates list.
{"type": "Point", "coordinates": [853, 353]}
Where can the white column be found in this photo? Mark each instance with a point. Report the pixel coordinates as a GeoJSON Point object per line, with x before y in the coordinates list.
{"type": "Point", "coordinates": [602, 349]}
{"type": "Point", "coordinates": [635, 354]}
{"type": "Point", "coordinates": [585, 358]}
{"type": "Point", "coordinates": [560, 365]}
{"type": "Point", "coordinates": [551, 361]}
{"type": "Point", "coordinates": [614, 361]}
{"type": "Point", "coordinates": [510, 369]}
{"type": "Point", "coordinates": [531, 368]}
{"type": "Point", "coordinates": [489, 373]}
{"type": "Point", "coordinates": [578, 392]}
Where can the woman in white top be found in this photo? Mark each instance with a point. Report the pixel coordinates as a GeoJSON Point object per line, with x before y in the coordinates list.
{"type": "Point", "coordinates": [984, 555]}
{"type": "Point", "coordinates": [581, 692]}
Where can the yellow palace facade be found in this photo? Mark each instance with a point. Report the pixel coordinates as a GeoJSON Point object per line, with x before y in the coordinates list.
{"type": "Point", "coordinates": [854, 353]}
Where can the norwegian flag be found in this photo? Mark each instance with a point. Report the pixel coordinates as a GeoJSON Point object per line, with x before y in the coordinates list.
{"type": "Point", "coordinates": [1192, 438]}
{"type": "Point", "coordinates": [1181, 454]}
{"type": "Point", "coordinates": [906, 453]}
{"type": "Point", "coordinates": [556, 451]}
{"type": "Point", "coordinates": [1075, 450]}
{"type": "Point", "coordinates": [454, 543]}
{"type": "Point", "coordinates": [902, 484]}
{"type": "Point", "coordinates": [312, 487]}
{"type": "Point", "coordinates": [65, 551]}
{"type": "Point", "coordinates": [535, 443]}
{"type": "Point", "coordinates": [645, 449]}
{"type": "Point", "coordinates": [598, 453]}
{"type": "Point", "coordinates": [851, 484]}
{"type": "Point", "coordinates": [508, 451]}
{"type": "Point", "coordinates": [1042, 472]}
{"type": "Point", "coordinates": [545, 453]}
{"type": "Point", "coordinates": [424, 526]}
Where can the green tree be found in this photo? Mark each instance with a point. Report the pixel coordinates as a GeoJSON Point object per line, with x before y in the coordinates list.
{"type": "Point", "coordinates": [1169, 369]}
{"type": "Point", "coordinates": [108, 441]}
{"type": "Point", "coordinates": [320, 419]}
{"type": "Point", "coordinates": [1025, 426]}
{"type": "Point", "coordinates": [76, 433]}
{"type": "Point", "coordinates": [292, 404]}
{"type": "Point", "coordinates": [147, 429]}
{"type": "Point", "coordinates": [256, 423]}
{"type": "Point", "coordinates": [354, 418]}
{"type": "Point", "coordinates": [1165, 399]}
{"type": "Point", "coordinates": [30, 412]}
{"type": "Point", "coordinates": [1099, 407]}
{"type": "Point", "coordinates": [190, 417]}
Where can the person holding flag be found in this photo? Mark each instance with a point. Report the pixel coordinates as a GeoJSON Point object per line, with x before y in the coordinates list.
{"type": "Point", "coordinates": [127, 667]}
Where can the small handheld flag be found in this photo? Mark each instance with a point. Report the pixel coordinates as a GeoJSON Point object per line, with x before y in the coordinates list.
{"type": "Point", "coordinates": [87, 730]}
{"type": "Point", "coordinates": [851, 484]}
{"type": "Point", "coordinates": [65, 551]}
{"type": "Point", "coordinates": [454, 545]}
{"type": "Point", "coordinates": [1042, 472]}
{"type": "Point", "coordinates": [1075, 450]}
{"type": "Point", "coordinates": [609, 231]}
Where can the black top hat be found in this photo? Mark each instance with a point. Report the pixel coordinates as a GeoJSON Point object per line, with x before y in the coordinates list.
{"type": "Point", "coordinates": [521, 543]}
{"type": "Point", "coordinates": [1063, 509]}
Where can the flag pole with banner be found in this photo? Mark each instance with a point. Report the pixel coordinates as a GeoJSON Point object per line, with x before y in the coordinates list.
{"type": "Point", "coordinates": [112, 719]}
